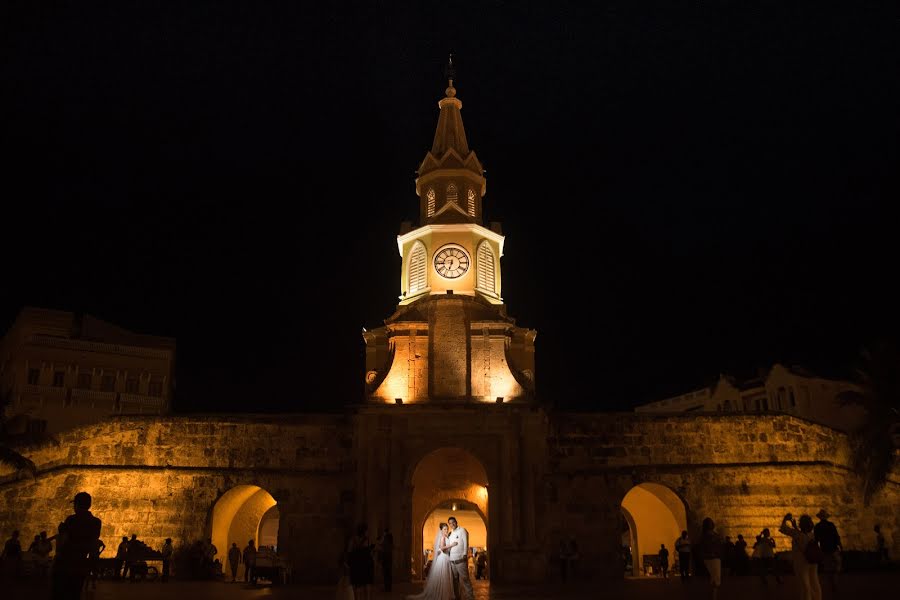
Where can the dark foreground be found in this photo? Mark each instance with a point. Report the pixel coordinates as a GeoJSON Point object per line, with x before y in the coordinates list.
{"type": "Point", "coordinates": [862, 586]}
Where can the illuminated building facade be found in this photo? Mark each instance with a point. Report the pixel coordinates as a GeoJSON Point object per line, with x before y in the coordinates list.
{"type": "Point", "coordinates": [789, 390]}
{"type": "Point", "coordinates": [450, 424]}
{"type": "Point", "coordinates": [64, 370]}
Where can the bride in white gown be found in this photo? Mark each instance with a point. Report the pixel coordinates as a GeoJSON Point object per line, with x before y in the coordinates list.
{"type": "Point", "coordinates": [439, 585]}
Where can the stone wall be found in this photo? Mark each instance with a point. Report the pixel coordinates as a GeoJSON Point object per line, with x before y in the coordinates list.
{"type": "Point", "coordinates": [547, 476]}
{"type": "Point", "coordinates": [160, 478]}
{"type": "Point", "coordinates": [744, 472]}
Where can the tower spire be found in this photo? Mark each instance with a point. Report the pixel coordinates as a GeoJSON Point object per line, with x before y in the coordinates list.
{"type": "Point", "coordinates": [450, 74]}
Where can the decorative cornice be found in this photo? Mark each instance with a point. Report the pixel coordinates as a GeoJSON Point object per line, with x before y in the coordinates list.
{"type": "Point", "coordinates": [424, 230]}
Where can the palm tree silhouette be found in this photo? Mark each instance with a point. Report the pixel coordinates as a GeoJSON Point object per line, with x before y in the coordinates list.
{"type": "Point", "coordinates": [875, 443]}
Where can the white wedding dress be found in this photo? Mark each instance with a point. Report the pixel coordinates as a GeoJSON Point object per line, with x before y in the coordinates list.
{"type": "Point", "coordinates": [439, 585]}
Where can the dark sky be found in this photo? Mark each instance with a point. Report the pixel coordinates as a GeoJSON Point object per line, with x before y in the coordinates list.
{"type": "Point", "coordinates": [686, 188]}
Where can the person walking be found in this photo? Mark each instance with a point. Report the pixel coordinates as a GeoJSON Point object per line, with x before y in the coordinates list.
{"type": "Point", "coordinates": [829, 541]}
{"type": "Point", "coordinates": [804, 547]}
{"type": "Point", "coordinates": [683, 548]}
{"type": "Point", "coordinates": [234, 559]}
{"type": "Point", "coordinates": [711, 553]}
{"type": "Point", "coordinates": [121, 556]}
{"type": "Point", "coordinates": [663, 561]}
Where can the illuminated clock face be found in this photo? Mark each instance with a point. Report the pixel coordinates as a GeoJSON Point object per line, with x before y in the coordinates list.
{"type": "Point", "coordinates": [451, 261]}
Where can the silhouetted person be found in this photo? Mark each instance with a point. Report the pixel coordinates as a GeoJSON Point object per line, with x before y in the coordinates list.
{"type": "Point", "coordinates": [359, 559]}
{"type": "Point", "coordinates": [234, 559]}
{"type": "Point", "coordinates": [386, 555]}
{"type": "Point", "coordinates": [250, 562]}
{"type": "Point", "coordinates": [880, 546]}
{"type": "Point", "coordinates": [78, 539]}
{"type": "Point", "coordinates": [94, 565]}
{"type": "Point", "coordinates": [11, 557]}
{"type": "Point", "coordinates": [683, 547]}
{"type": "Point", "coordinates": [132, 549]}
{"type": "Point", "coordinates": [764, 548]}
{"type": "Point", "coordinates": [480, 564]}
{"type": "Point", "coordinates": [664, 560]}
{"type": "Point", "coordinates": [167, 551]}
{"type": "Point", "coordinates": [121, 556]}
{"type": "Point", "coordinates": [826, 535]}
{"type": "Point", "coordinates": [801, 538]}
{"type": "Point", "coordinates": [728, 555]}
{"type": "Point", "coordinates": [740, 555]}
{"type": "Point", "coordinates": [711, 552]}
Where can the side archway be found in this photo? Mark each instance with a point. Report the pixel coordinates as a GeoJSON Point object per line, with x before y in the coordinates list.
{"type": "Point", "coordinates": [655, 515]}
{"type": "Point", "coordinates": [243, 513]}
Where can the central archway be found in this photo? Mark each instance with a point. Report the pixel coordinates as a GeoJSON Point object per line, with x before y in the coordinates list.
{"type": "Point", "coordinates": [245, 512]}
{"type": "Point", "coordinates": [443, 479]}
{"type": "Point", "coordinates": [655, 515]}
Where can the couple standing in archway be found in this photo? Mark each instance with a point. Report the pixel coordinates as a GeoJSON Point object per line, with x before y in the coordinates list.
{"type": "Point", "coordinates": [448, 578]}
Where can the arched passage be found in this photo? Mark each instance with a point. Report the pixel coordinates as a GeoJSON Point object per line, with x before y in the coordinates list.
{"type": "Point", "coordinates": [468, 515]}
{"type": "Point", "coordinates": [238, 515]}
{"type": "Point", "coordinates": [655, 515]}
{"type": "Point", "coordinates": [441, 479]}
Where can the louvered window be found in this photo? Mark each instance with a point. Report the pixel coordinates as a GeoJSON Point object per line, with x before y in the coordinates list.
{"type": "Point", "coordinates": [485, 258]}
{"type": "Point", "coordinates": [471, 198]}
{"type": "Point", "coordinates": [429, 207]}
{"type": "Point", "coordinates": [417, 273]}
{"type": "Point", "coordinates": [452, 193]}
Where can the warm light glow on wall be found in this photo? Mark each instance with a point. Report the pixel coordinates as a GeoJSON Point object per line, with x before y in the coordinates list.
{"type": "Point", "coordinates": [659, 517]}
{"type": "Point", "coordinates": [237, 516]}
{"type": "Point", "coordinates": [469, 519]}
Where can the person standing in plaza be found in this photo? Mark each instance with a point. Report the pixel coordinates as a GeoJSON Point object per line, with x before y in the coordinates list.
{"type": "Point", "coordinates": [806, 570]}
{"type": "Point", "coordinates": [765, 550]}
{"type": "Point", "coordinates": [234, 559]}
{"type": "Point", "coordinates": [249, 557]}
{"type": "Point", "coordinates": [459, 561]}
{"type": "Point", "coordinates": [711, 552]}
{"type": "Point", "coordinates": [386, 557]}
{"type": "Point", "coordinates": [683, 548]}
{"type": "Point", "coordinates": [78, 538]}
{"type": "Point", "coordinates": [167, 552]}
{"type": "Point", "coordinates": [664, 561]}
{"type": "Point", "coordinates": [826, 535]}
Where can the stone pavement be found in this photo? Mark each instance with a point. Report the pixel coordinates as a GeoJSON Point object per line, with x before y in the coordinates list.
{"type": "Point", "coordinates": [854, 587]}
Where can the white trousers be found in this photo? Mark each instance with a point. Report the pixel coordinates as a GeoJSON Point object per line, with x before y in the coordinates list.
{"type": "Point", "coordinates": [461, 580]}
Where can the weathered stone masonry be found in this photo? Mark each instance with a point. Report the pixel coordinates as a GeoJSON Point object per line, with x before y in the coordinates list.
{"type": "Point", "coordinates": [549, 475]}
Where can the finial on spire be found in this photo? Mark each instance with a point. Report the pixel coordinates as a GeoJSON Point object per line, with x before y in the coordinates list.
{"type": "Point", "coordinates": [450, 74]}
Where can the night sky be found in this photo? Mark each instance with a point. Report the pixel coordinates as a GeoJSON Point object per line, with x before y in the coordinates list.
{"type": "Point", "coordinates": [686, 188]}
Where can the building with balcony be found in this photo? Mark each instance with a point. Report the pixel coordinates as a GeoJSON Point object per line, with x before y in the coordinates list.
{"type": "Point", "coordinates": [63, 370]}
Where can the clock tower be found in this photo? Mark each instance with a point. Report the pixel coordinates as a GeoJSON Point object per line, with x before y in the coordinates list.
{"type": "Point", "coordinates": [450, 339]}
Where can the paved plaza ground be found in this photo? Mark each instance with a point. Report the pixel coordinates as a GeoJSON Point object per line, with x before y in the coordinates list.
{"type": "Point", "coordinates": [854, 587]}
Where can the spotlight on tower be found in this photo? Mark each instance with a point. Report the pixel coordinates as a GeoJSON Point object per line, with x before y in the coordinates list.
{"type": "Point", "coordinates": [499, 399]}
{"type": "Point", "coordinates": [398, 400]}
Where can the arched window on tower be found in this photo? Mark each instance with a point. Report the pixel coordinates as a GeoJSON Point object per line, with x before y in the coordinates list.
{"type": "Point", "coordinates": [429, 205]}
{"type": "Point", "coordinates": [418, 280]}
{"type": "Point", "coordinates": [470, 197]}
{"type": "Point", "coordinates": [486, 279]}
{"type": "Point", "coordinates": [452, 193]}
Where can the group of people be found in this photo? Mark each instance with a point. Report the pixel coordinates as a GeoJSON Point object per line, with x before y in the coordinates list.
{"type": "Point", "coordinates": [360, 557]}
{"type": "Point", "coordinates": [813, 547]}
